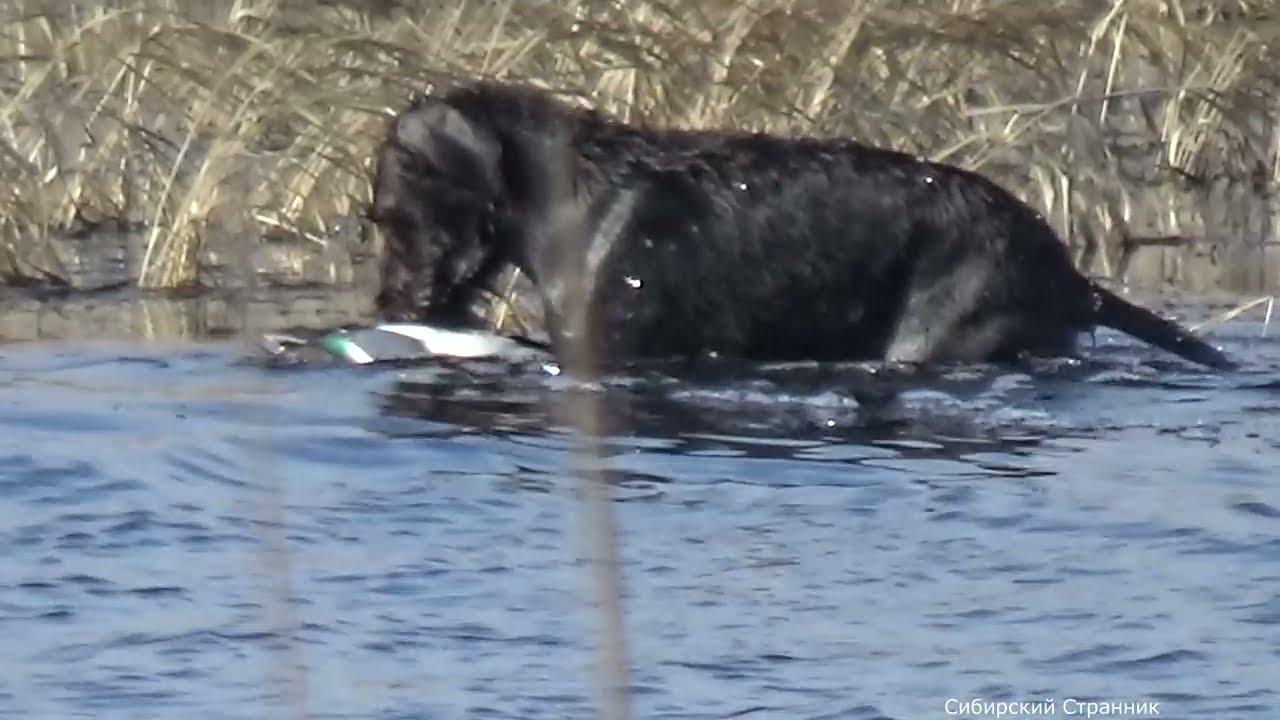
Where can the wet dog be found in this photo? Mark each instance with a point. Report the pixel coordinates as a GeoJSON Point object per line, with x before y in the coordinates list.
{"type": "Point", "coordinates": [683, 243]}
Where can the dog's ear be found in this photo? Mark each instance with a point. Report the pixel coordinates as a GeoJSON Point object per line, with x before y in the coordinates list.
{"type": "Point", "coordinates": [468, 154]}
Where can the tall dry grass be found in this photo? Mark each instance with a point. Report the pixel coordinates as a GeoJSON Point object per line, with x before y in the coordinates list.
{"type": "Point", "coordinates": [205, 125]}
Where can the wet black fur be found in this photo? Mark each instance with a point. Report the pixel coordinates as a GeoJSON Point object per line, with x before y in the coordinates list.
{"type": "Point", "coordinates": [742, 245]}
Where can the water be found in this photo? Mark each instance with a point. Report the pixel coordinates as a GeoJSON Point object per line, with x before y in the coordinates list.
{"type": "Point", "coordinates": [187, 533]}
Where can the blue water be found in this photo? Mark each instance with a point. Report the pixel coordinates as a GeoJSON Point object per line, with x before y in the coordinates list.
{"type": "Point", "coordinates": [190, 535]}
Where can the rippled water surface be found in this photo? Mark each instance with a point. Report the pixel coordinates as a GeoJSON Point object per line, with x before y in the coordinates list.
{"type": "Point", "coordinates": [190, 535]}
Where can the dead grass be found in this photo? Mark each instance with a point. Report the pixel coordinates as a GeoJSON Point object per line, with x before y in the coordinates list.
{"type": "Point", "coordinates": [208, 123]}
{"type": "Point", "coordinates": [1266, 301]}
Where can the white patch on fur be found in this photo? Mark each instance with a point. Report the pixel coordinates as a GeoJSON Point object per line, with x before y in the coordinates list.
{"type": "Point", "coordinates": [610, 229]}
{"type": "Point", "coordinates": [601, 244]}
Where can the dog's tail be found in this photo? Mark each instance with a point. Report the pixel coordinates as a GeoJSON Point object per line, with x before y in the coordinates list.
{"type": "Point", "coordinates": [1113, 311]}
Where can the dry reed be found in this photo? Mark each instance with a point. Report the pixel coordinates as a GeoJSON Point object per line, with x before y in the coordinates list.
{"type": "Point", "coordinates": [210, 124]}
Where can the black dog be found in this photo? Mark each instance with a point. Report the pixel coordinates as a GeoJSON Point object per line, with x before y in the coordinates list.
{"type": "Point", "coordinates": [688, 243]}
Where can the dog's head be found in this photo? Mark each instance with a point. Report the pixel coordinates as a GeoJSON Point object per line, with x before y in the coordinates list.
{"type": "Point", "coordinates": [468, 184]}
{"type": "Point", "coordinates": [442, 207]}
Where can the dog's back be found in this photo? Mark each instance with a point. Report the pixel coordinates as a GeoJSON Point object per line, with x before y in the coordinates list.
{"type": "Point", "coordinates": [821, 257]}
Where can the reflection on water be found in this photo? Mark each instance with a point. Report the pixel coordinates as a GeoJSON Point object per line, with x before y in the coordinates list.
{"type": "Point", "coordinates": [116, 312]}
{"type": "Point", "coordinates": [191, 531]}
{"type": "Point", "coordinates": [166, 316]}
